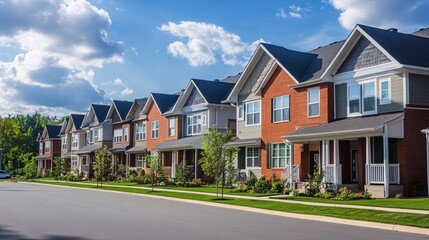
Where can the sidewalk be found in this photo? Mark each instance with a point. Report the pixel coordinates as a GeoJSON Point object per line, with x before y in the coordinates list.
{"type": "Point", "coordinates": [399, 210]}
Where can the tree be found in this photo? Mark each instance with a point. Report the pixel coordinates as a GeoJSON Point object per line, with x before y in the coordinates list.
{"type": "Point", "coordinates": [216, 157]}
{"type": "Point", "coordinates": [60, 168]}
{"type": "Point", "coordinates": [30, 169]}
{"type": "Point", "coordinates": [155, 168]}
{"type": "Point", "coordinates": [102, 164]}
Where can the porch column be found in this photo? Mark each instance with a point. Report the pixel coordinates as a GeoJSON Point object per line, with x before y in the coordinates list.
{"type": "Point", "coordinates": [52, 163]}
{"type": "Point", "coordinates": [427, 159]}
{"type": "Point", "coordinates": [127, 164]}
{"type": "Point", "coordinates": [386, 161]}
{"type": "Point", "coordinates": [173, 163]}
{"type": "Point", "coordinates": [322, 156]}
{"type": "Point", "coordinates": [184, 159]}
{"type": "Point", "coordinates": [291, 164]}
{"type": "Point", "coordinates": [196, 163]}
{"type": "Point", "coordinates": [336, 162]}
{"type": "Point", "coordinates": [368, 161]}
{"type": "Point", "coordinates": [328, 159]}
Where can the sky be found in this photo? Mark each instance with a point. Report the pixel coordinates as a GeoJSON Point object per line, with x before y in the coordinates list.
{"type": "Point", "coordinates": [59, 56]}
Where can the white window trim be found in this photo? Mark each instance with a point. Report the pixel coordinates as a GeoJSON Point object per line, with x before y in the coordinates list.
{"type": "Point", "coordinates": [140, 135]}
{"type": "Point", "coordinates": [375, 98]}
{"type": "Point", "coordinates": [142, 160]}
{"type": "Point", "coordinates": [308, 102]}
{"type": "Point", "coordinates": [348, 100]}
{"type": "Point", "coordinates": [47, 147]}
{"type": "Point", "coordinates": [75, 144]}
{"type": "Point", "coordinates": [287, 158]}
{"type": "Point", "coordinates": [170, 127]}
{"type": "Point", "coordinates": [64, 143]}
{"type": "Point", "coordinates": [272, 109]}
{"type": "Point", "coordinates": [240, 108]}
{"type": "Point", "coordinates": [126, 134]}
{"type": "Point", "coordinates": [389, 91]}
{"type": "Point", "coordinates": [154, 130]}
{"type": "Point", "coordinates": [253, 158]}
{"type": "Point", "coordinates": [117, 138]}
{"type": "Point", "coordinates": [192, 124]}
{"type": "Point", "coordinates": [260, 113]}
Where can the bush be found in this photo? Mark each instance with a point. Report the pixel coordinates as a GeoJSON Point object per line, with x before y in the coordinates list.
{"type": "Point", "coordinates": [242, 187]}
{"type": "Point", "coordinates": [262, 185]}
{"type": "Point", "coordinates": [182, 175]}
{"type": "Point", "coordinates": [277, 187]}
{"type": "Point", "coordinates": [251, 182]}
{"type": "Point", "coordinates": [141, 172]}
{"type": "Point", "coordinates": [314, 182]}
{"type": "Point", "coordinates": [286, 190]}
{"type": "Point", "coordinates": [295, 193]}
{"type": "Point", "coordinates": [325, 195]}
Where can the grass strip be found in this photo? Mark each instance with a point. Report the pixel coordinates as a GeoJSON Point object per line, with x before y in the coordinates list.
{"type": "Point", "coordinates": [407, 219]}
{"type": "Point", "coordinates": [404, 203]}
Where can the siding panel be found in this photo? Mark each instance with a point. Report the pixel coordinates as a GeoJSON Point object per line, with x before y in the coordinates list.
{"type": "Point", "coordinates": [419, 85]}
{"type": "Point", "coordinates": [341, 100]}
{"type": "Point", "coordinates": [397, 97]}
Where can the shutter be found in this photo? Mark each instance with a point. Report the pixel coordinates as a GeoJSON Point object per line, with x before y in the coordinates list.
{"type": "Point", "coordinates": [268, 150]}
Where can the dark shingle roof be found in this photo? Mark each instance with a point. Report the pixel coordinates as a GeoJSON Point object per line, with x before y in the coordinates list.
{"type": "Point", "coordinates": [53, 130]}
{"type": "Point", "coordinates": [77, 120]}
{"type": "Point", "coordinates": [325, 55]}
{"type": "Point", "coordinates": [231, 79]}
{"type": "Point", "coordinates": [424, 32]}
{"type": "Point", "coordinates": [213, 91]}
{"type": "Point", "coordinates": [194, 142]}
{"type": "Point", "coordinates": [407, 49]}
{"type": "Point", "coordinates": [123, 107]}
{"type": "Point", "coordinates": [297, 63]}
{"type": "Point", "coordinates": [165, 101]}
{"type": "Point", "coordinates": [141, 102]}
{"type": "Point", "coordinates": [100, 111]}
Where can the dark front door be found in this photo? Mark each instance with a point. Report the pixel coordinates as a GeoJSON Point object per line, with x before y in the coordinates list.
{"type": "Point", "coordinates": [314, 161]}
{"type": "Point", "coordinates": [354, 165]}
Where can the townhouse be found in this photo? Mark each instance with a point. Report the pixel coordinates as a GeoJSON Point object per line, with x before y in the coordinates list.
{"type": "Point", "coordinates": [65, 141]}
{"type": "Point", "coordinates": [94, 133]}
{"type": "Point", "coordinates": [122, 128]}
{"type": "Point", "coordinates": [136, 154]}
{"type": "Point", "coordinates": [49, 148]}
{"type": "Point", "coordinates": [198, 109]}
{"type": "Point", "coordinates": [74, 139]}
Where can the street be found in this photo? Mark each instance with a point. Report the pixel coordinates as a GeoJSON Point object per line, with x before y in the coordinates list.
{"type": "Point", "coordinates": [30, 211]}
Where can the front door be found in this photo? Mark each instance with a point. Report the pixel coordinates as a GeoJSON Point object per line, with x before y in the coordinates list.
{"type": "Point", "coordinates": [314, 161]}
{"type": "Point", "coordinates": [354, 165]}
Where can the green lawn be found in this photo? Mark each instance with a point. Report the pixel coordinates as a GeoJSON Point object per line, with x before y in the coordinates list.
{"type": "Point", "coordinates": [205, 189]}
{"type": "Point", "coordinates": [416, 220]}
{"type": "Point", "coordinates": [406, 203]}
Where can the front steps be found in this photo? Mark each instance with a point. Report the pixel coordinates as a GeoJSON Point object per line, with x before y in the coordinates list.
{"type": "Point", "coordinates": [377, 191]}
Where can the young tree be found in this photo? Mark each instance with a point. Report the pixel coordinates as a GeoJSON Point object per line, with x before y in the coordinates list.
{"type": "Point", "coordinates": [155, 168]}
{"type": "Point", "coordinates": [30, 169]}
{"type": "Point", "coordinates": [216, 157]}
{"type": "Point", "coordinates": [60, 168]}
{"type": "Point", "coordinates": [102, 164]}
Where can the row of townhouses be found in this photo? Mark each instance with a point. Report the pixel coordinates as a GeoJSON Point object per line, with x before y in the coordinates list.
{"type": "Point", "coordinates": [359, 108]}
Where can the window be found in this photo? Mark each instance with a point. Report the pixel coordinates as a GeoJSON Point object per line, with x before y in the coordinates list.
{"type": "Point", "coordinates": [90, 136]}
{"type": "Point", "coordinates": [74, 161]}
{"type": "Point", "coordinates": [368, 97]}
{"type": "Point", "coordinates": [354, 98]}
{"type": "Point", "coordinates": [240, 112]}
{"type": "Point", "coordinates": [281, 109]}
{"type": "Point", "coordinates": [155, 129]}
{"type": "Point", "coordinates": [140, 160]}
{"type": "Point", "coordinates": [280, 155]}
{"type": "Point", "coordinates": [117, 135]}
{"type": "Point", "coordinates": [96, 136]}
{"type": "Point", "coordinates": [126, 134]}
{"type": "Point", "coordinates": [171, 126]}
{"type": "Point", "coordinates": [47, 147]}
{"type": "Point", "coordinates": [252, 157]}
{"type": "Point", "coordinates": [385, 91]}
{"type": "Point", "coordinates": [313, 102]}
{"type": "Point", "coordinates": [141, 131]}
{"type": "Point", "coordinates": [41, 148]}
{"type": "Point", "coordinates": [194, 124]}
{"type": "Point", "coordinates": [64, 143]}
{"type": "Point", "coordinates": [253, 113]}
{"type": "Point", "coordinates": [75, 140]}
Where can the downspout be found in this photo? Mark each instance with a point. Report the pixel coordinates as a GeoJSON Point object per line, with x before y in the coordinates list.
{"type": "Point", "coordinates": [386, 161]}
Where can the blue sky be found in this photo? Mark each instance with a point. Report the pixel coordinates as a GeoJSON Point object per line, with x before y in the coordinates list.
{"type": "Point", "coordinates": [58, 57]}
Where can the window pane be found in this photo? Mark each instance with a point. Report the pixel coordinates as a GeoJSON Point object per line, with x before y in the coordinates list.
{"type": "Point", "coordinates": [256, 106]}
{"type": "Point", "coordinates": [277, 103]}
{"type": "Point", "coordinates": [282, 150]}
{"type": "Point", "coordinates": [257, 162]}
{"type": "Point", "coordinates": [286, 114]}
{"type": "Point", "coordinates": [256, 120]}
{"type": "Point", "coordinates": [314, 109]}
{"type": "Point", "coordinates": [313, 95]}
{"type": "Point", "coordinates": [282, 162]}
{"type": "Point", "coordinates": [354, 106]}
{"type": "Point", "coordinates": [250, 107]}
{"type": "Point", "coordinates": [353, 91]}
{"type": "Point", "coordinates": [369, 104]}
{"type": "Point", "coordinates": [249, 162]}
{"type": "Point", "coordinates": [368, 90]}
{"type": "Point", "coordinates": [275, 150]}
{"type": "Point", "coordinates": [285, 101]}
{"type": "Point", "coordinates": [277, 115]}
{"type": "Point", "coordinates": [249, 119]}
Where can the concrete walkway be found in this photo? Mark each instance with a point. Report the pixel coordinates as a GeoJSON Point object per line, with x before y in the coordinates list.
{"type": "Point", "coordinates": [399, 210]}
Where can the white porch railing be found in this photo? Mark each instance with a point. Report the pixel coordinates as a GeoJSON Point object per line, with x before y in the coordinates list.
{"type": "Point", "coordinates": [329, 173]}
{"type": "Point", "coordinates": [295, 173]}
{"type": "Point", "coordinates": [376, 173]}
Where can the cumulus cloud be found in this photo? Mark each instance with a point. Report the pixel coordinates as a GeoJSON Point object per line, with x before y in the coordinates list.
{"type": "Point", "coordinates": [59, 44]}
{"type": "Point", "coordinates": [281, 13]}
{"type": "Point", "coordinates": [407, 15]}
{"type": "Point", "coordinates": [118, 82]}
{"type": "Point", "coordinates": [296, 11]}
{"type": "Point", "coordinates": [205, 42]}
{"type": "Point", "coordinates": [127, 91]}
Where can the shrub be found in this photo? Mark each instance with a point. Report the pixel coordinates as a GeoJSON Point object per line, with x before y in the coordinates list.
{"type": "Point", "coordinates": [314, 182]}
{"type": "Point", "coordinates": [277, 187]}
{"type": "Point", "coordinates": [142, 172]}
{"type": "Point", "coordinates": [182, 175]}
{"type": "Point", "coordinates": [273, 178]}
{"type": "Point", "coordinates": [251, 182]}
{"type": "Point", "coordinates": [325, 195]}
{"type": "Point", "coordinates": [286, 190]}
{"type": "Point", "coordinates": [241, 188]}
{"type": "Point", "coordinates": [367, 195]}
{"type": "Point", "coordinates": [262, 185]}
{"type": "Point", "coordinates": [295, 193]}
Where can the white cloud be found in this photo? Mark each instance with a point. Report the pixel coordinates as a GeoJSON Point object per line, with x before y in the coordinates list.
{"type": "Point", "coordinates": [281, 13]}
{"type": "Point", "coordinates": [295, 15]}
{"type": "Point", "coordinates": [205, 42]}
{"type": "Point", "coordinates": [296, 11]}
{"type": "Point", "coordinates": [118, 82]}
{"type": "Point", "coordinates": [59, 44]}
{"type": "Point", "coordinates": [407, 15]}
{"type": "Point", "coordinates": [127, 91]}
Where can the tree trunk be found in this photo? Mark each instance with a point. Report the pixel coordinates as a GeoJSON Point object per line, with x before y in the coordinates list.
{"type": "Point", "coordinates": [223, 182]}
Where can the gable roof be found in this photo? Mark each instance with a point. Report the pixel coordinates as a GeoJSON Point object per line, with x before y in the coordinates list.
{"type": "Point", "coordinates": [64, 126]}
{"type": "Point", "coordinates": [232, 79]}
{"type": "Point", "coordinates": [214, 92]}
{"type": "Point", "coordinates": [77, 120]}
{"type": "Point", "coordinates": [100, 111]}
{"type": "Point", "coordinates": [138, 104]}
{"type": "Point", "coordinates": [324, 57]}
{"type": "Point", "coordinates": [164, 101]}
{"type": "Point", "coordinates": [407, 49]}
{"type": "Point", "coordinates": [122, 108]}
{"type": "Point", "coordinates": [53, 131]}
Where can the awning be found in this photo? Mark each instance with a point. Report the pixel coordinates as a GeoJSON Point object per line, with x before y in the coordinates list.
{"type": "Point", "coordinates": [119, 148]}
{"type": "Point", "coordinates": [88, 149]}
{"type": "Point", "coordinates": [136, 149]}
{"type": "Point", "coordinates": [245, 142]}
{"type": "Point", "coordinates": [345, 128]}
{"type": "Point", "coordinates": [43, 157]}
{"type": "Point", "coordinates": [67, 155]}
{"type": "Point", "coordinates": [195, 142]}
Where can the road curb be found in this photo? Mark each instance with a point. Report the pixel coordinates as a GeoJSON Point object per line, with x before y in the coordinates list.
{"type": "Point", "coordinates": [357, 223]}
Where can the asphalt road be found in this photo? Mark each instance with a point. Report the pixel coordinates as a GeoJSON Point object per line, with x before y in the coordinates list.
{"type": "Point", "coordinates": [48, 212]}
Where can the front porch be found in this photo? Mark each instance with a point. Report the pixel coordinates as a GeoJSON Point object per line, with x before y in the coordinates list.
{"type": "Point", "coordinates": [44, 165]}
{"type": "Point", "coordinates": [363, 159]}
{"type": "Point", "coordinates": [171, 160]}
